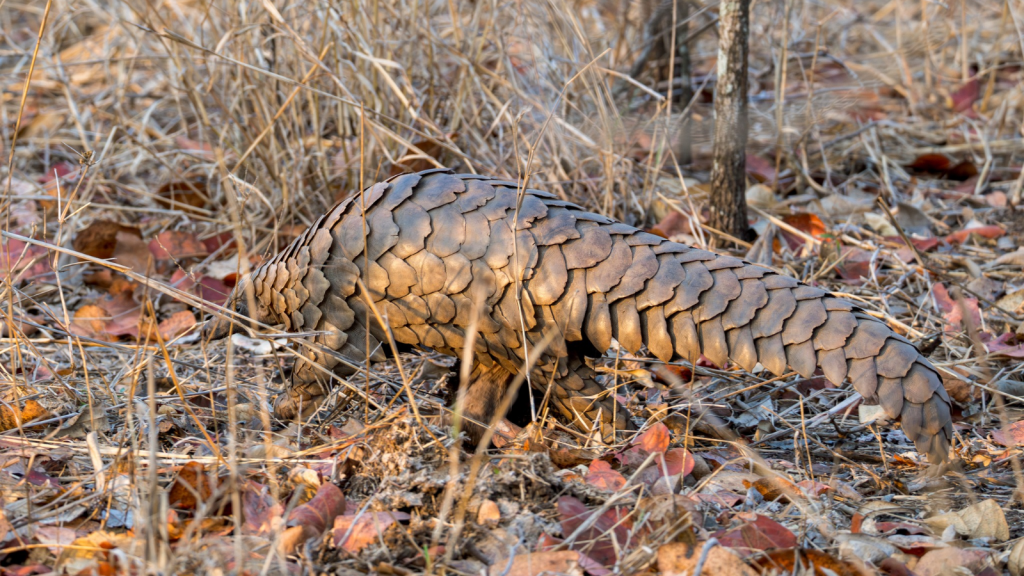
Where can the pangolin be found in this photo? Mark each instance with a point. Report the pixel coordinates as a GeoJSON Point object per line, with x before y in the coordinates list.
{"type": "Point", "coordinates": [430, 242]}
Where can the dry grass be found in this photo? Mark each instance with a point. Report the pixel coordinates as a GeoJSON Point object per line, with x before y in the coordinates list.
{"type": "Point", "coordinates": [273, 111]}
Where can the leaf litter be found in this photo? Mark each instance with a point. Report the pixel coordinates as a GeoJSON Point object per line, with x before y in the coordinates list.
{"type": "Point", "coordinates": [131, 446]}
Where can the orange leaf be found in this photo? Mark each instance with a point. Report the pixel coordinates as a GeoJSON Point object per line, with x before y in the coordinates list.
{"type": "Point", "coordinates": [191, 487]}
{"type": "Point", "coordinates": [177, 324]}
{"type": "Point", "coordinates": [785, 562]}
{"type": "Point", "coordinates": [363, 530]}
{"type": "Point", "coordinates": [655, 439]}
{"type": "Point", "coordinates": [32, 410]}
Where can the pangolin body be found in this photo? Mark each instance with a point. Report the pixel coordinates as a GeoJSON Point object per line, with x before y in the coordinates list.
{"type": "Point", "coordinates": [433, 240]}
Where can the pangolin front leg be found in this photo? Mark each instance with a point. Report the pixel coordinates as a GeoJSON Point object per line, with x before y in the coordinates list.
{"type": "Point", "coordinates": [552, 277]}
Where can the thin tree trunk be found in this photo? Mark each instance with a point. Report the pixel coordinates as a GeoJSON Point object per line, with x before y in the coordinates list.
{"type": "Point", "coordinates": [728, 174]}
{"type": "Point", "coordinates": [685, 156]}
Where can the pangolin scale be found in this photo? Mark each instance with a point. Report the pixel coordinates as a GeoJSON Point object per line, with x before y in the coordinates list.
{"type": "Point", "coordinates": [433, 240]}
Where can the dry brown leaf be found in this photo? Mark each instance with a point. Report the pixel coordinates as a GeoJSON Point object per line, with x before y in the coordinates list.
{"type": "Point", "coordinates": [982, 520]}
{"type": "Point", "coordinates": [10, 416]}
{"type": "Point", "coordinates": [176, 245]}
{"type": "Point", "coordinates": [680, 558]}
{"type": "Point", "coordinates": [1015, 561]}
{"type": "Point", "coordinates": [536, 563]}
{"type": "Point", "coordinates": [192, 487]}
{"type": "Point", "coordinates": [99, 239]}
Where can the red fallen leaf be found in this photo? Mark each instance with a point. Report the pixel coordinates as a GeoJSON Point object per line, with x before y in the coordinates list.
{"type": "Point", "coordinates": [214, 242]}
{"type": "Point", "coordinates": [674, 224]}
{"type": "Point", "coordinates": [960, 236]}
{"type": "Point", "coordinates": [58, 170]}
{"type": "Point", "coordinates": [209, 289]}
{"type": "Point", "coordinates": [762, 170]}
{"type": "Point", "coordinates": [805, 222]}
{"type": "Point", "coordinates": [1000, 346]}
{"type": "Point", "coordinates": [922, 244]}
{"type": "Point", "coordinates": [965, 170]}
{"type": "Point", "coordinates": [855, 265]}
{"type": "Point", "coordinates": [951, 311]}
{"type": "Point", "coordinates": [608, 534]}
{"type": "Point", "coordinates": [192, 486]}
{"type": "Point", "coordinates": [602, 476]}
{"type": "Point", "coordinates": [932, 162]}
{"type": "Point", "coordinates": [24, 262]}
{"type": "Point", "coordinates": [655, 439]}
{"type": "Point", "coordinates": [757, 533]}
{"type": "Point", "coordinates": [312, 518]}
{"type": "Point", "coordinates": [813, 487]}
{"type": "Point", "coordinates": [176, 244]}
{"type": "Point", "coordinates": [965, 96]}
{"type": "Point", "coordinates": [259, 509]}
{"type": "Point", "coordinates": [186, 144]}
{"type": "Point", "coordinates": [363, 530]}
{"type": "Point", "coordinates": [1012, 436]}
{"type": "Point", "coordinates": [675, 462]}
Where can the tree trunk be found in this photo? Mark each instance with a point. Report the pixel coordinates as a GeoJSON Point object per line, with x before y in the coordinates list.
{"type": "Point", "coordinates": [728, 174]}
{"type": "Point", "coordinates": [685, 154]}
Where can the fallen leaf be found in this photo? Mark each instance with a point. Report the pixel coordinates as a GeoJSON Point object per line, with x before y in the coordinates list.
{"type": "Point", "coordinates": [952, 561]}
{"type": "Point", "coordinates": [762, 170]}
{"type": "Point", "coordinates": [960, 236]}
{"type": "Point", "coordinates": [655, 439]}
{"type": "Point", "coordinates": [184, 195]}
{"type": "Point", "coordinates": [855, 264]}
{"type": "Point", "coordinates": [761, 196]}
{"type": "Point", "coordinates": [933, 162]}
{"type": "Point", "coordinates": [680, 559]}
{"type": "Point", "coordinates": [24, 262]}
{"type": "Point", "coordinates": [99, 239]}
{"type": "Point", "coordinates": [176, 245]}
{"type": "Point", "coordinates": [602, 476]}
{"type": "Point", "coordinates": [55, 537]}
{"type": "Point", "coordinates": [1012, 436]}
{"type": "Point", "coordinates": [90, 321]}
{"type": "Point", "coordinates": [489, 514]}
{"type": "Point", "coordinates": [176, 324]}
{"type": "Point", "coordinates": [261, 512]}
{"type": "Point", "coordinates": [539, 563]}
{"type": "Point", "coordinates": [11, 417]}
{"type": "Point", "coordinates": [1015, 258]}
{"type": "Point", "coordinates": [1015, 561]}
{"type": "Point", "coordinates": [312, 518]}
{"type": "Point", "coordinates": [805, 222]}
{"type": "Point", "coordinates": [756, 533]}
{"type": "Point", "coordinates": [802, 561]}
{"type": "Point", "coordinates": [362, 530]}
{"type": "Point", "coordinates": [963, 98]}
{"type": "Point", "coordinates": [606, 536]}
{"type": "Point", "coordinates": [951, 310]}
{"type": "Point", "coordinates": [192, 487]}
{"type": "Point", "coordinates": [880, 223]}
{"type": "Point", "coordinates": [673, 225]}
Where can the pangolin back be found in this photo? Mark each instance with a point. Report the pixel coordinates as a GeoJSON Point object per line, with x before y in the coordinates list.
{"type": "Point", "coordinates": [435, 239]}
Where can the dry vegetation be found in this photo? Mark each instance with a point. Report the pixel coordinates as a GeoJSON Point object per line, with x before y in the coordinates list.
{"type": "Point", "coordinates": [186, 140]}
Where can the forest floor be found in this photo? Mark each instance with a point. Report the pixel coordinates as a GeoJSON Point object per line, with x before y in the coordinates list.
{"type": "Point", "coordinates": [154, 150]}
